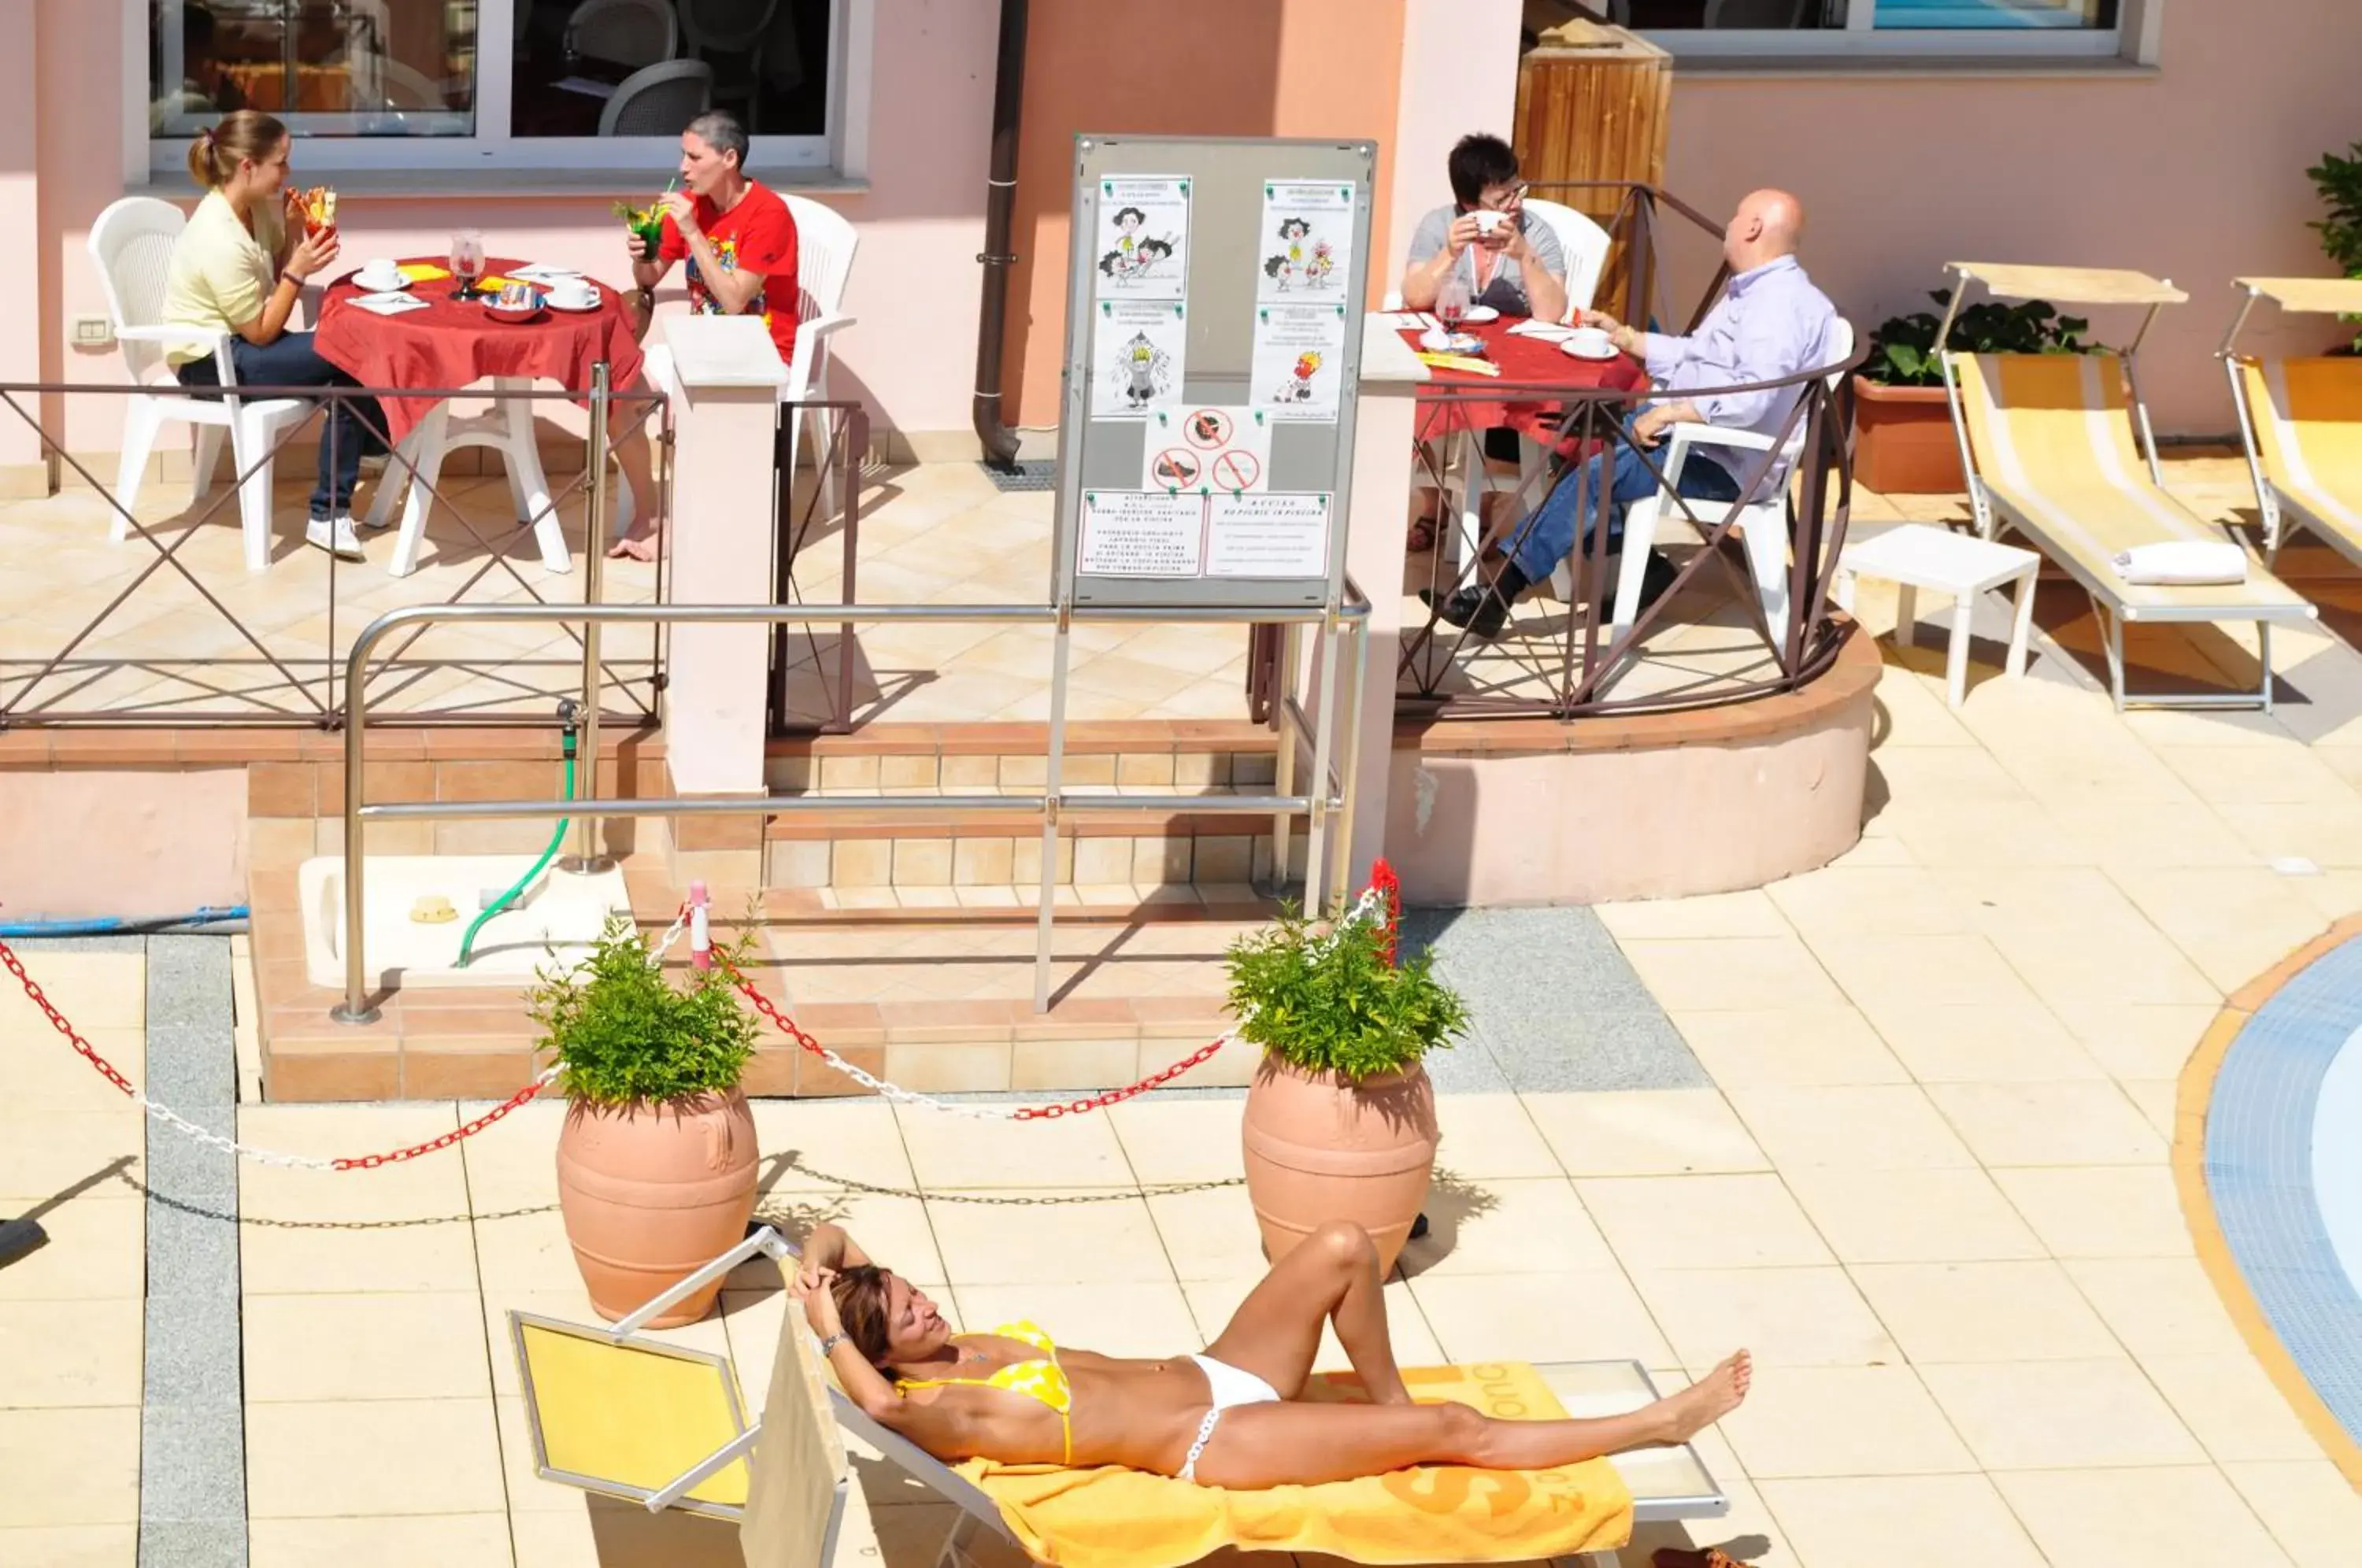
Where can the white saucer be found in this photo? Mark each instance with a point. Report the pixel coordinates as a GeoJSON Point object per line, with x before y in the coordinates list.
{"type": "Point", "coordinates": [379, 285]}
{"type": "Point", "coordinates": [1573, 351]}
{"type": "Point", "coordinates": [1477, 315]}
{"type": "Point", "coordinates": [556, 303]}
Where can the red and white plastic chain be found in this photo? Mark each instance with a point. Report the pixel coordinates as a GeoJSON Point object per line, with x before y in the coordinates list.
{"type": "Point", "coordinates": [182, 1124]}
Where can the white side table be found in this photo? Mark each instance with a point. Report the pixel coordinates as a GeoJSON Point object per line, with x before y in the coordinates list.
{"type": "Point", "coordinates": [1918, 556]}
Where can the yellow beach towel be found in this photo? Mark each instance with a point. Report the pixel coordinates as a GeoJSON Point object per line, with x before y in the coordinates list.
{"type": "Point", "coordinates": [1114, 1518]}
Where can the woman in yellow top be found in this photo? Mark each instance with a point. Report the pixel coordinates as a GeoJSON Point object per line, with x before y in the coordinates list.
{"type": "Point", "coordinates": [1233, 1417]}
{"type": "Point", "coordinates": [238, 268]}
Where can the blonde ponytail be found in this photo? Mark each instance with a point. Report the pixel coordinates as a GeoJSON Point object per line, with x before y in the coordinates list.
{"type": "Point", "coordinates": [243, 134]}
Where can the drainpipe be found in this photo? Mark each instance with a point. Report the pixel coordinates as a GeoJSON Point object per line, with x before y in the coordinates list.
{"type": "Point", "coordinates": [1000, 201]}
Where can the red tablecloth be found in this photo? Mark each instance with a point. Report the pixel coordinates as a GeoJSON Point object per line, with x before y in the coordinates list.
{"type": "Point", "coordinates": [453, 342]}
{"type": "Point", "coordinates": [1526, 364]}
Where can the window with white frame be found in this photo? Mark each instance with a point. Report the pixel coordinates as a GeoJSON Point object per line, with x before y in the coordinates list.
{"type": "Point", "coordinates": [533, 83]}
{"type": "Point", "coordinates": [1873, 30]}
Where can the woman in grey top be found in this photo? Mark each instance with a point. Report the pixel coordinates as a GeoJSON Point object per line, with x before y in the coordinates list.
{"type": "Point", "coordinates": [1512, 263]}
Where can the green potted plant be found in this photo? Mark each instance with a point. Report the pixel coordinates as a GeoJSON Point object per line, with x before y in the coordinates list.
{"type": "Point", "coordinates": [656, 1163]}
{"type": "Point", "coordinates": [2339, 180]}
{"type": "Point", "coordinates": [1903, 443]}
{"type": "Point", "coordinates": [1340, 1118]}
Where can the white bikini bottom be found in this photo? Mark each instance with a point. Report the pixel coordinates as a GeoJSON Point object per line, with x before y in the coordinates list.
{"type": "Point", "coordinates": [1230, 1385]}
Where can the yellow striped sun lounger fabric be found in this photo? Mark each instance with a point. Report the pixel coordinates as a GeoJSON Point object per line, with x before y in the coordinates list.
{"type": "Point", "coordinates": [2053, 444]}
{"type": "Point", "coordinates": [2307, 420]}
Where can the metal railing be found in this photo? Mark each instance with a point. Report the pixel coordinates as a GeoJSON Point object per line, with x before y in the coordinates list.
{"type": "Point", "coordinates": [1570, 667]}
{"type": "Point", "coordinates": [250, 651]}
{"type": "Point", "coordinates": [1334, 793]}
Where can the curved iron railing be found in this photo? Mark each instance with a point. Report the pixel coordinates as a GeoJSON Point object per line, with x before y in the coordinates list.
{"type": "Point", "coordinates": [1578, 665]}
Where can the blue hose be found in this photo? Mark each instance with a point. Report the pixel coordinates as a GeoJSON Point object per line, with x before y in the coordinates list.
{"type": "Point", "coordinates": [108, 925]}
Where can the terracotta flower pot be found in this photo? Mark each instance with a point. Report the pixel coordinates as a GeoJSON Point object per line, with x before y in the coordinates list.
{"type": "Point", "coordinates": [1903, 443]}
{"type": "Point", "coordinates": [1318, 1148]}
{"type": "Point", "coordinates": [650, 1192]}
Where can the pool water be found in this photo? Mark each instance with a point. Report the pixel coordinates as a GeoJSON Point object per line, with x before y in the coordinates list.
{"type": "Point", "coordinates": [2283, 1168]}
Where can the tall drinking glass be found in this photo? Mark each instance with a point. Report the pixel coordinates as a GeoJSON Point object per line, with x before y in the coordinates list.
{"type": "Point", "coordinates": [467, 261]}
{"type": "Point", "coordinates": [1452, 302]}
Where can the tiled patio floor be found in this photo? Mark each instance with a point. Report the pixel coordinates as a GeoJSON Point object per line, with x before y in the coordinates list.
{"type": "Point", "coordinates": [1927, 1184]}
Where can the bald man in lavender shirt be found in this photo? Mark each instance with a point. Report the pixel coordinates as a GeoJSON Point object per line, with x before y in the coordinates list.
{"type": "Point", "coordinates": [1771, 324]}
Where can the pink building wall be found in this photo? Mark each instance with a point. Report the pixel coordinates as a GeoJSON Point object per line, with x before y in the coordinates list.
{"type": "Point", "coordinates": [2195, 172]}
{"type": "Point", "coordinates": [915, 283]}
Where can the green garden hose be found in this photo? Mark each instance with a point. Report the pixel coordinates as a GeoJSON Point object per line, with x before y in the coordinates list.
{"type": "Point", "coordinates": [467, 943]}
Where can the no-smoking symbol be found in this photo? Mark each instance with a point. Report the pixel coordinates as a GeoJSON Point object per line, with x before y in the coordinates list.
{"type": "Point", "coordinates": [1236, 470]}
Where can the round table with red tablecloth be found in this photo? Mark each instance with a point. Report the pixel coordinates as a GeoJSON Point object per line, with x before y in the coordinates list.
{"type": "Point", "coordinates": [1532, 369]}
{"type": "Point", "coordinates": [455, 343]}
{"type": "Point", "coordinates": [1456, 407]}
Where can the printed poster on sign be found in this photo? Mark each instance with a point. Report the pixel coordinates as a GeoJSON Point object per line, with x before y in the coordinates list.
{"type": "Point", "coordinates": [1130, 533]}
{"type": "Point", "coordinates": [1299, 360]}
{"type": "Point", "coordinates": [1283, 535]}
{"type": "Point", "coordinates": [1143, 251]}
{"type": "Point", "coordinates": [1137, 351]}
{"type": "Point", "coordinates": [1305, 244]}
{"type": "Point", "coordinates": [1224, 450]}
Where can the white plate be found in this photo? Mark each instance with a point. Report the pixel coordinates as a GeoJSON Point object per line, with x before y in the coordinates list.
{"type": "Point", "coordinates": [556, 303]}
{"type": "Point", "coordinates": [1575, 351]}
{"type": "Point", "coordinates": [1477, 315]}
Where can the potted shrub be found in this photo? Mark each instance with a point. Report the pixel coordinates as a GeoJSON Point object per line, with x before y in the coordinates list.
{"type": "Point", "coordinates": [1340, 1118]}
{"type": "Point", "coordinates": [656, 1163]}
{"type": "Point", "coordinates": [1903, 442]}
{"type": "Point", "coordinates": [2339, 180]}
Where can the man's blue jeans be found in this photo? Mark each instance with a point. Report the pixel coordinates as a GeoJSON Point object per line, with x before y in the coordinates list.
{"type": "Point", "coordinates": [1546, 538]}
{"type": "Point", "coordinates": [291, 361]}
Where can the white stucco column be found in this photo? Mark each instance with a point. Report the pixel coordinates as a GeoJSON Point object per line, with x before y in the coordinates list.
{"type": "Point", "coordinates": [23, 466]}
{"type": "Point", "coordinates": [1376, 514]}
{"type": "Point", "coordinates": [1459, 75]}
{"type": "Point", "coordinates": [729, 374]}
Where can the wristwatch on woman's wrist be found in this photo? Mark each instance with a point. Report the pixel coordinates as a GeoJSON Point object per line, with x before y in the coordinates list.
{"type": "Point", "coordinates": [830, 1343]}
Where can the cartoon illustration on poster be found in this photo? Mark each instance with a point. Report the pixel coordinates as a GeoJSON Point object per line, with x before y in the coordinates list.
{"type": "Point", "coordinates": [1221, 450]}
{"type": "Point", "coordinates": [1299, 360]}
{"type": "Point", "coordinates": [1143, 251]}
{"type": "Point", "coordinates": [1138, 351]}
{"type": "Point", "coordinates": [1305, 246]}
{"type": "Point", "coordinates": [1128, 532]}
{"type": "Point", "coordinates": [1281, 535]}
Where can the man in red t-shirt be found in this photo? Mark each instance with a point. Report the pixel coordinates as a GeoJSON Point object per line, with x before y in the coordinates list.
{"type": "Point", "coordinates": [740, 243]}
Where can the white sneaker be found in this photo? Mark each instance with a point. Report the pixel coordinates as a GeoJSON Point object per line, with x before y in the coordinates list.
{"type": "Point", "coordinates": [334, 535]}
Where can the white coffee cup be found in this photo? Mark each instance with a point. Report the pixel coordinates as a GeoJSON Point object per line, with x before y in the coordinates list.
{"type": "Point", "coordinates": [572, 294]}
{"type": "Point", "coordinates": [381, 272]}
{"type": "Point", "coordinates": [1591, 342]}
{"type": "Point", "coordinates": [1488, 220]}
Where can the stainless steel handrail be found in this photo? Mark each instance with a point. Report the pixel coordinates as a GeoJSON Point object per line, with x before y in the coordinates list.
{"type": "Point", "coordinates": [355, 1008]}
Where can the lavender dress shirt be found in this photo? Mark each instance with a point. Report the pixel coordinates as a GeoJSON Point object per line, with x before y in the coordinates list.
{"type": "Point", "coordinates": [1771, 322]}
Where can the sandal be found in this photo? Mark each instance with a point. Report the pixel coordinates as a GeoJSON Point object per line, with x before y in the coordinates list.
{"type": "Point", "coordinates": [1693, 1557]}
{"type": "Point", "coordinates": [1421, 538]}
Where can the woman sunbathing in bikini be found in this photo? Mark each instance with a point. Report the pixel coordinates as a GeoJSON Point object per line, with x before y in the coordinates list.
{"type": "Point", "coordinates": [1233, 1417]}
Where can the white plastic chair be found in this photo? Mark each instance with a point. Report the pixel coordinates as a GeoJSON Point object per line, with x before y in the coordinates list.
{"type": "Point", "coordinates": [1583, 244]}
{"type": "Point", "coordinates": [1762, 523]}
{"type": "Point", "coordinates": [131, 247]}
{"type": "Point", "coordinates": [659, 100]}
{"type": "Point", "coordinates": [629, 32]}
{"type": "Point", "coordinates": [825, 242]}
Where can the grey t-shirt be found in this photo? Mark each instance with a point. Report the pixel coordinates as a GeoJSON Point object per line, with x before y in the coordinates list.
{"type": "Point", "coordinates": [1505, 292]}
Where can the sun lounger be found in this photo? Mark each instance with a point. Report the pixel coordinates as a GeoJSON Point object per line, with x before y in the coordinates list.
{"type": "Point", "coordinates": [2048, 442]}
{"type": "Point", "coordinates": [627, 1417]}
{"type": "Point", "coordinates": [2302, 420]}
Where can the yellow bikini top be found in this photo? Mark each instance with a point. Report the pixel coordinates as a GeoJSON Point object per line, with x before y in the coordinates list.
{"type": "Point", "coordinates": [1043, 1379]}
